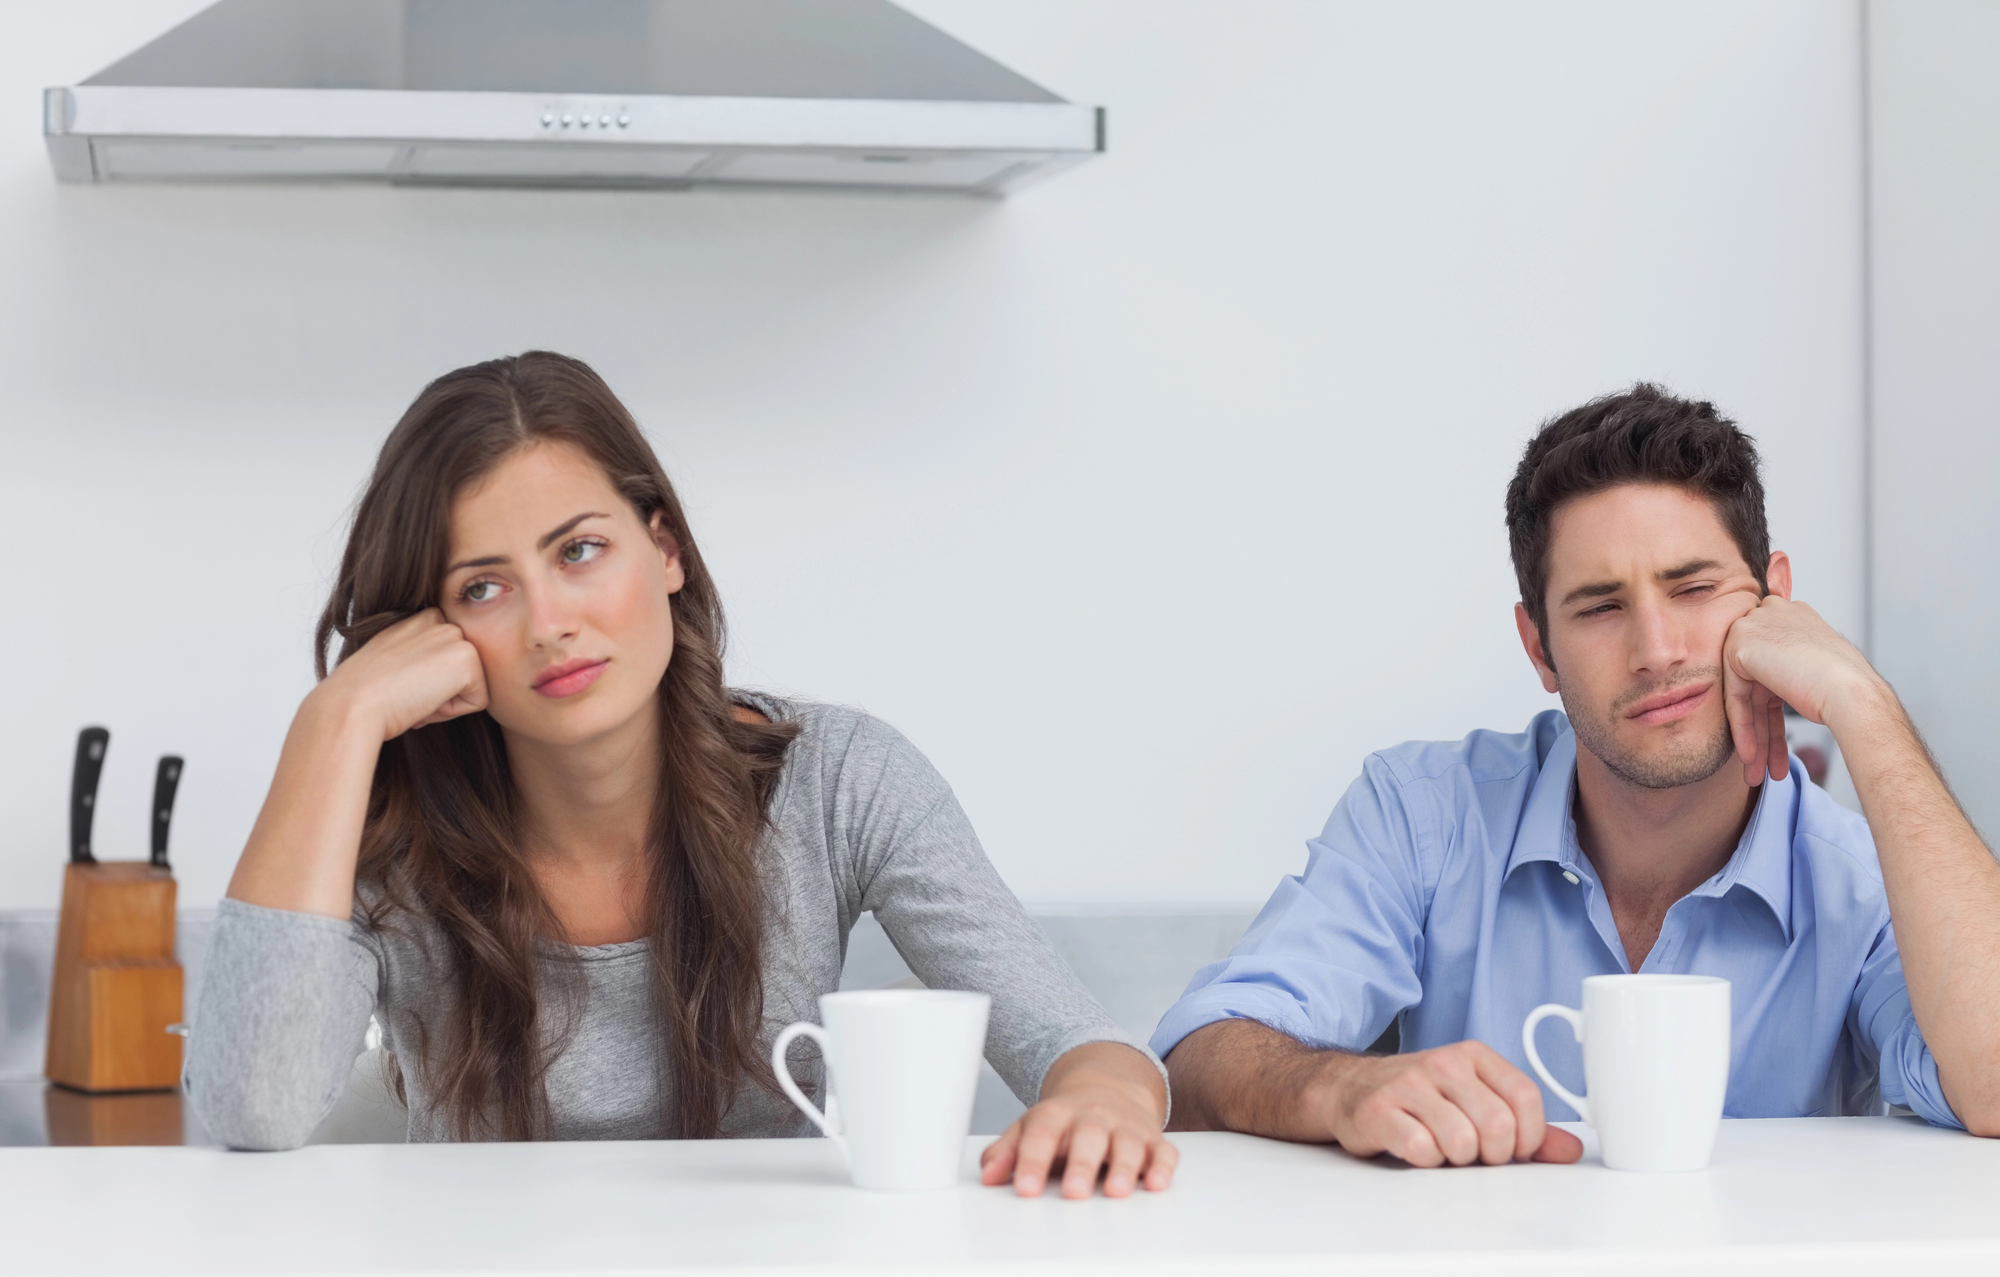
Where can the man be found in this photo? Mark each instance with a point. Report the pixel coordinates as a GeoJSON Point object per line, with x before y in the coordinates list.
{"type": "Point", "coordinates": [1653, 825]}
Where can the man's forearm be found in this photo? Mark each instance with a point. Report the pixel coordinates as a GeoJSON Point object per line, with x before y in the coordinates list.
{"type": "Point", "coordinates": [1239, 1075]}
{"type": "Point", "coordinates": [1943, 887]}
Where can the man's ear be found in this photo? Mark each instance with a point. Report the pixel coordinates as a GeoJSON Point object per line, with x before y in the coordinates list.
{"type": "Point", "coordinates": [1531, 642]}
{"type": "Point", "coordinates": [1778, 576]}
{"type": "Point", "coordinates": [670, 550]}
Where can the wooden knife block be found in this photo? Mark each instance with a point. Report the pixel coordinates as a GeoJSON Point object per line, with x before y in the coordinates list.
{"type": "Point", "coordinates": [117, 986]}
{"type": "Point", "coordinates": [97, 1121]}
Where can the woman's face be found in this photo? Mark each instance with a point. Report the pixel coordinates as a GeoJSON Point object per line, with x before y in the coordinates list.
{"type": "Point", "coordinates": [566, 594]}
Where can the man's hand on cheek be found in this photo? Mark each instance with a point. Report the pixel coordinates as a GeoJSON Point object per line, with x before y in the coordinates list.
{"type": "Point", "coordinates": [1782, 653]}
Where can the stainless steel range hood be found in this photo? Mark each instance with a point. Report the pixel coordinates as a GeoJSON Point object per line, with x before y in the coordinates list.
{"type": "Point", "coordinates": [643, 93]}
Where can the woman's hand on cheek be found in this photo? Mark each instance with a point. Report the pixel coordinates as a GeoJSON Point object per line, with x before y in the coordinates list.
{"type": "Point", "coordinates": [1101, 1111]}
{"type": "Point", "coordinates": [419, 671]}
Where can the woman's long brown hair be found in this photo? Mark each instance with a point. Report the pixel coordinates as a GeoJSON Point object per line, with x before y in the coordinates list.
{"type": "Point", "coordinates": [442, 839]}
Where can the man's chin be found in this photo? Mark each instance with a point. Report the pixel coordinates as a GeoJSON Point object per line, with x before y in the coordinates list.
{"type": "Point", "coordinates": [1666, 757]}
{"type": "Point", "coordinates": [1670, 764]}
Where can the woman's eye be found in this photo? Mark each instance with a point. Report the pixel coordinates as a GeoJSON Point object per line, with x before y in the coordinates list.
{"type": "Point", "coordinates": [479, 591]}
{"type": "Point", "coordinates": [581, 551]}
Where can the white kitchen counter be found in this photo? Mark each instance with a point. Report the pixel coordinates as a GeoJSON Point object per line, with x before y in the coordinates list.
{"type": "Point", "coordinates": [1823, 1196]}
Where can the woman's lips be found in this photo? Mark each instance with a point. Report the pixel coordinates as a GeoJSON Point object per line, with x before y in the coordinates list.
{"type": "Point", "coordinates": [1674, 705]}
{"type": "Point", "coordinates": [569, 678]}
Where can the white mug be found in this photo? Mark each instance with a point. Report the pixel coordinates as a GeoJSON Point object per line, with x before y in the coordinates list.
{"type": "Point", "coordinates": [902, 1067]}
{"type": "Point", "coordinates": [1656, 1062]}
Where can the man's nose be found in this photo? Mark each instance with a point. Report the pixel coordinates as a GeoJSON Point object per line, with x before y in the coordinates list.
{"type": "Point", "coordinates": [1659, 641]}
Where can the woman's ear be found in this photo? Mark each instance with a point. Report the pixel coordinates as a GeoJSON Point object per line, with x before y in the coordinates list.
{"type": "Point", "coordinates": [670, 551]}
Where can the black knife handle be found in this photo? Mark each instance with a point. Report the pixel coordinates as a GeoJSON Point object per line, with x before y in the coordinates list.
{"type": "Point", "coordinates": [165, 781]}
{"type": "Point", "coordinates": [91, 743]}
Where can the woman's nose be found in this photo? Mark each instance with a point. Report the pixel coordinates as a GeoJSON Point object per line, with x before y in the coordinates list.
{"type": "Point", "coordinates": [551, 619]}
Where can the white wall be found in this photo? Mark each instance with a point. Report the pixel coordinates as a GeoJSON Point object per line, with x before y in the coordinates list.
{"type": "Point", "coordinates": [1935, 107]}
{"type": "Point", "coordinates": [1147, 502]}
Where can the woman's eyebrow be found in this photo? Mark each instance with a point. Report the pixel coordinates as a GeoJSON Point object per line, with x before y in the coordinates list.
{"type": "Point", "coordinates": [494, 560]}
{"type": "Point", "coordinates": [543, 544]}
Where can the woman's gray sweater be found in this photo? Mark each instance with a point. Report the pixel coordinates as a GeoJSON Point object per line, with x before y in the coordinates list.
{"type": "Point", "coordinates": [860, 822]}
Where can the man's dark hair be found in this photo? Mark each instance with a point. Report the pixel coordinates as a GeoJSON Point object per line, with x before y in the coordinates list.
{"type": "Point", "coordinates": [1644, 435]}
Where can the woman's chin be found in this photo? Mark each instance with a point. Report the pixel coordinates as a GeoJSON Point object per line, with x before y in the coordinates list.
{"type": "Point", "coordinates": [570, 723]}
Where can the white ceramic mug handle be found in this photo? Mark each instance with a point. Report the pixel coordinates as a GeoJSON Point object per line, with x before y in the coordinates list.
{"type": "Point", "coordinates": [803, 1029]}
{"type": "Point", "coordinates": [1535, 1017]}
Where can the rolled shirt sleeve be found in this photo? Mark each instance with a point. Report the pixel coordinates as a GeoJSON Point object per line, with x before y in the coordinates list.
{"type": "Point", "coordinates": [1334, 956]}
{"type": "Point", "coordinates": [1880, 1016]}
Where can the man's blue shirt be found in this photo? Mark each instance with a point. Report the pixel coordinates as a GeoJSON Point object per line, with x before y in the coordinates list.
{"type": "Point", "coordinates": [1448, 892]}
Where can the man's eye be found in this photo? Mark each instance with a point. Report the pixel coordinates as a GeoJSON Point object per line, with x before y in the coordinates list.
{"type": "Point", "coordinates": [479, 591]}
{"type": "Point", "coordinates": [581, 551]}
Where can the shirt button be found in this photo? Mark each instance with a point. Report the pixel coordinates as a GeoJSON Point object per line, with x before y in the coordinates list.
{"type": "Point", "coordinates": [1573, 879]}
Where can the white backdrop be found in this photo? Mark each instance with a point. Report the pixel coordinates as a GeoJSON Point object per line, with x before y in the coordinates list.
{"type": "Point", "coordinates": [1936, 125]}
{"type": "Point", "coordinates": [1146, 502]}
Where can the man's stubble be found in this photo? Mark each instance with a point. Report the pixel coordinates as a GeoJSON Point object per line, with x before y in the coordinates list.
{"type": "Point", "coordinates": [1685, 760]}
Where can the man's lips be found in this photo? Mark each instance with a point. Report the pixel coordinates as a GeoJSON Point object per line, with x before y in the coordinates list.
{"type": "Point", "coordinates": [1668, 706]}
{"type": "Point", "coordinates": [570, 677]}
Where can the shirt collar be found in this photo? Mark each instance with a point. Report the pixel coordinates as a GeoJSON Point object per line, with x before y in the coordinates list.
{"type": "Point", "coordinates": [1761, 863]}
{"type": "Point", "coordinates": [1548, 828]}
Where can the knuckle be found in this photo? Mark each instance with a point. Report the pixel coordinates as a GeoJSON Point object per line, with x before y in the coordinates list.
{"type": "Point", "coordinates": [1377, 1105]}
{"type": "Point", "coordinates": [1456, 1067]}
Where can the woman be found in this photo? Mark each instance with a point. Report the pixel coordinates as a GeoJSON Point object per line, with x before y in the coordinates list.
{"type": "Point", "coordinates": [579, 881]}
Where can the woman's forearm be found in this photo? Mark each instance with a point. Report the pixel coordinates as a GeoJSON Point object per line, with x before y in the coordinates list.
{"type": "Point", "coordinates": [1113, 1065]}
{"type": "Point", "coordinates": [303, 848]}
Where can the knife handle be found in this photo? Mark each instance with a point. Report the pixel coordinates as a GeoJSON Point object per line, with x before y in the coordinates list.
{"type": "Point", "coordinates": [91, 743]}
{"type": "Point", "coordinates": [165, 781]}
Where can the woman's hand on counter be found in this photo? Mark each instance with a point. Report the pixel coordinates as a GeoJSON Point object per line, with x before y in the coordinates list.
{"type": "Point", "coordinates": [1101, 1110]}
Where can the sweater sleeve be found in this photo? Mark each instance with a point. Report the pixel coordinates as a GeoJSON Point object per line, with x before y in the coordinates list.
{"type": "Point", "coordinates": [283, 1010]}
{"type": "Point", "coordinates": [919, 867]}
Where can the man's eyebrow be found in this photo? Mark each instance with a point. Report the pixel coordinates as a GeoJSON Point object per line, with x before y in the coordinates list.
{"type": "Point", "coordinates": [1595, 590]}
{"type": "Point", "coordinates": [1688, 569]}
{"type": "Point", "coordinates": [493, 560]}
{"type": "Point", "coordinates": [1598, 589]}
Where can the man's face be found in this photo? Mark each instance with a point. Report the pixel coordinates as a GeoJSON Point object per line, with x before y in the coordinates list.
{"type": "Point", "coordinates": [1644, 583]}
